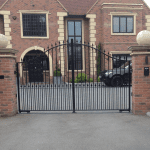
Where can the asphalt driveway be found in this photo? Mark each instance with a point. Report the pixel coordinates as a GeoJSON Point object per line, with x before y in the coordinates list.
{"type": "Point", "coordinates": [99, 130]}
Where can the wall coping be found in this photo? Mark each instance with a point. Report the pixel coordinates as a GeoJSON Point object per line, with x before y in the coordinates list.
{"type": "Point", "coordinates": [8, 50]}
{"type": "Point", "coordinates": [140, 53]}
{"type": "Point", "coordinates": [139, 48]}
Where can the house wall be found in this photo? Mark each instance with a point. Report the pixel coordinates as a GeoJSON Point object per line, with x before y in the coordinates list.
{"type": "Point", "coordinates": [22, 44]}
{"type": "Point", "coordinates": [118, 43]}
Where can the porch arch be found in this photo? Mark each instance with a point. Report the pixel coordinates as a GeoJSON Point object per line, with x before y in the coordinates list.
{"type": "Point", "coordinates": [36, 48]}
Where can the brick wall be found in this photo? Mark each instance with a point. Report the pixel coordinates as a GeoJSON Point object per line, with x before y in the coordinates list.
{"type": "Point", "coordinates": [8, 99]}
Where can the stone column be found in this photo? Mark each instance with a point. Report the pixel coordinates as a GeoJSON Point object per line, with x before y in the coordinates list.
{"type": "Point", "coordinates": [92, 31]}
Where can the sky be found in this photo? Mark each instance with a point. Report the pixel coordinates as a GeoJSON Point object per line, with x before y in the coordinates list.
{"type": "Point", "coordinates": [147, 2]}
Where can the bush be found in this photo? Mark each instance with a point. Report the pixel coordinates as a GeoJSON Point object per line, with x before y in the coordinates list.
{"type": "Point", "coordinates": [81, 77]}
{"type": "Point", "coordinates": [90, 80]}
{"type": "Point", "coordinates": [58, 72]}
{"type": "Point", "coordinates": [98, 79]}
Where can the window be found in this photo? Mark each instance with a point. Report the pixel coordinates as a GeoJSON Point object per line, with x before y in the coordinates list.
{"type": "Point", "coordinates": [34, 25]}
{"type": "Point", "coordinates": [123, 24]}
{"type": "Point", "coordinates": [75, 33]}
{"type": "Point", "coordinates": [120, 59]}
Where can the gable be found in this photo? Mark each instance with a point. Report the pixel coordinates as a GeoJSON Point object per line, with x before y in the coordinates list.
{"type": "Point", "coordinates": [3, 2]}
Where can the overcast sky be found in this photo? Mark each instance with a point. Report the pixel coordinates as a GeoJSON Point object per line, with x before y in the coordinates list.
{"type": "Point", "coordinates": [147, 2]}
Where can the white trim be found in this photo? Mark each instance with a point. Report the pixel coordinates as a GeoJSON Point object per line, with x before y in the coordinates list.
{"type": "Point", "coordinates": [36, 48]}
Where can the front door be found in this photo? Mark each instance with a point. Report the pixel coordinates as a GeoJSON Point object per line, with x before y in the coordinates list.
{"type": "Point", "coordinates": [35, 70]}
{"type": "Point", "coordinates": [75, 33]}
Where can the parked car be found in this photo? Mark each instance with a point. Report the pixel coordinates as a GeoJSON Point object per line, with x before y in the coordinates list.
{"type": "Point", "coordinates": [117, 76]}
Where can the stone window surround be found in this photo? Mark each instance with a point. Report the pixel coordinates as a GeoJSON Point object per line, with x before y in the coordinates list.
{"type": "Point", "coordinates": [118, 52]}
{"type": "Point", "coordinates": [147, 24]}
{"type": "Point", "coordinates": [123, 14]}
{"type": "Point", "coordinates": [34, 12]}
{"type": "Point", "coordinates": [7, 29]}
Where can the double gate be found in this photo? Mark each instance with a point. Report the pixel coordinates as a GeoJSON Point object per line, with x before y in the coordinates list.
{"type": "Point", "coordinates": [73, 77]}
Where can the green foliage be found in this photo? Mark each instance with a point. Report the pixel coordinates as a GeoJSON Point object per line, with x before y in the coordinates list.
{"type": "Point", "coordinates": [57, 72]}
{"type": "Point", "coordinates": [81, 77]}
{"type": "Point", "coordinates": [98, 79]}
{"type": "Point", "coordinates": [99, 59]}
{"type": "Point", "coordinates": [90, 80]}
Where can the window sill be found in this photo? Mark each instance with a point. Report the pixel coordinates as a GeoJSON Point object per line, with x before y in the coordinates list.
{"type": "Point", "coordinates": [123, 33]}
{"type": "Point", "coordinates": [28, 37]}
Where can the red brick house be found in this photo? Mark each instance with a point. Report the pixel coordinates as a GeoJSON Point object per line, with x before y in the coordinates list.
{"type": "Point", "coordinates": [113, 23]}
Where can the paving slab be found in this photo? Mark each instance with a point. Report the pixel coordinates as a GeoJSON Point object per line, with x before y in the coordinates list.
{"type": "Point", "coordinates": [96, 130]}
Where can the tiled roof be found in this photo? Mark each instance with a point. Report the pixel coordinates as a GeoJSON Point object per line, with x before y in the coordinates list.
{"type": "Point", "coordinates": [78, 7]}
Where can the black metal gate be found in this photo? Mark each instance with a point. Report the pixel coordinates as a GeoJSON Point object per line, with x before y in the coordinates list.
{"type": "Point", "coordinates": [66, 85]}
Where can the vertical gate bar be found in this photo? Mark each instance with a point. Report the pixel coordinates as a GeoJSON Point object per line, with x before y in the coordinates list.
{"type": "Point", "coordinates": [129, 84]}
{"type": "Point", "coordinates": [60, 72]}
{"type": "Point", "coordinates": [73, 76]}
{"type": "Point", "coordinates": [26, 89]}
{"type": "Point", "coordinates": [23, 105]}
{"type": "Point", "coordinates": [97, 72]}
{"type": "Point", "coordinates": [93, 74]}
{"type": "Point", "coordinates": [42, 83]}
{"type": "Point", "coordinates": [85, 73]}
{"type": "Point", "coordinates": [126, 87]}
{"type": "Point", "coordinates": [45, 93]}
{"type": "Point", "coordinates": [49, 77]}
{"type": "Point", "coordinates": [53, 77]}
{"type": "Point", "coordinates": [89, 76]}
{"type": "Point", "coordinates": [56, 74]}
{"type": "Point", "coordinates": [108, 75]}
{"type": "Point", "coordinates": [77, 86]}
{"type": "Point", "coordinates": [125, 83]}
{"type": "Point", "coordinates": [18, 87]}
{"type": "Point", "coordinates": [81, 77]}
{"type": "Point", "coordinates": [120, 87]}
{"type": "Point", "coordinates": [105, 85]}
{"type": "Point", "coordinates": [101, 86]}
{"type": "Point", "coordinates": [68, 69]}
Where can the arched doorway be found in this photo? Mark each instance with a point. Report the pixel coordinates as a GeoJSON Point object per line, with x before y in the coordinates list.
{"type": "Point", "coordinates": [35, 62]}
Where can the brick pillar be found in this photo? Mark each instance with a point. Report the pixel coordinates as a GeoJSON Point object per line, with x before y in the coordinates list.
{"type": "Point", "coordinates": [140, 82]}
{"type": "Point", "coordinates": [8, 87]}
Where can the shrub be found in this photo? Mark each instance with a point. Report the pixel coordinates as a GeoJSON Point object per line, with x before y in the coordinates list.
{"type": "Point", "coordinates": [81, 77]}
{"type": "Point", "coordinates": [98, 79]}
{"type": "Point", "coordinates": [90, 80]}
{"type": "Point", "coordinates": [57, 72]}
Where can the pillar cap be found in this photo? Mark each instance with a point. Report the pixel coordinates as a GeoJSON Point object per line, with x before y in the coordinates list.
{"type": "Point", "coordinates": [139, 47]}
{"type": "Point", "coordinates": [3, 41]}
{"type": "Point", "coordinates": [8, 50]}
{"type": "Point", "coordinates": [143, 37]}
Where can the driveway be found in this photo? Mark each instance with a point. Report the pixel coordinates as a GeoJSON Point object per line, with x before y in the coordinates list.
{"type": "Point", "coordinates": [80, 131]}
